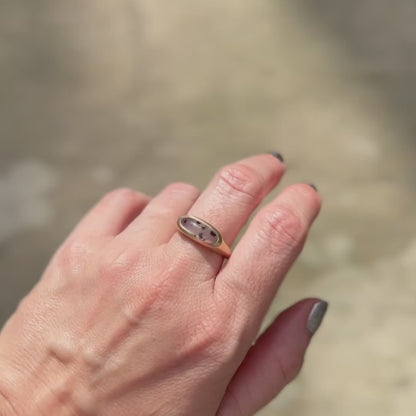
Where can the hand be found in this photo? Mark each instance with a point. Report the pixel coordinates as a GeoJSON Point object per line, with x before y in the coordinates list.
{"type": "Point", "coordinates": [133, 318]}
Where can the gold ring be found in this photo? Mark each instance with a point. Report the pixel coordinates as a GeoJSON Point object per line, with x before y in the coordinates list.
{"type": "Point", "coordinates": [203, 233]}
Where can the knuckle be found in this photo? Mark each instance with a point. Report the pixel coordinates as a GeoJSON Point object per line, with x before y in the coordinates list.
{"type": "Point", "coordinates": [288, 367]}
{"type": "Point", "coordinates": [73, 255]}
{"type": "Point", "coordinates": [214, 330]}
{"type": "Point", "coordinates": [208, 342]}
{"type": "Point", "coordinates": [182, 188]}
{"type": "Point", "coordinates": [159, 212]}
{"type": "Point", "coordinates": [219, 339]}
{"type": "Point", "coordinates": [209, 338]}
{"type": "Point", "coordinates": [231, 404]}
{"type": "Point", "coordinates": [125, 196]}
{"type": "Point", "coordinates": [283, 229]}
{"type": "Point", "coordinates": [241, 180]}
{"type": "Point", "coordinates": [113, 267]}
{"type": "Point", "coordinates": [76, 249]}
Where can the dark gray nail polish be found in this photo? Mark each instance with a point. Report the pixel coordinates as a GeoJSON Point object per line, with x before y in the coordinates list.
{"type": "Point", "coordinates": [313, 186]}
{"type": "Point", "coordinates": [277, 155]}
{"type": "Point", "coordinates": [316, 316]}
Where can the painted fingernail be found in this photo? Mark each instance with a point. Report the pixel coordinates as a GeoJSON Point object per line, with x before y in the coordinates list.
{"type": "Point", "coordinates": [313, 186]}
{"type": "Point", "coordinates": [316, 316]}
{"type": "Point", "coordinates": [277, 155]}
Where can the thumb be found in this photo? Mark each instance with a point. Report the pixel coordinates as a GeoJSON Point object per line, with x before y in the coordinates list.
{"type": "Point", "coordinates": [274, 361]}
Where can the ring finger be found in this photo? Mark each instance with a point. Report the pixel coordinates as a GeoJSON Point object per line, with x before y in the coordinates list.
{"type": "Point", "coordinates": [227, 203]}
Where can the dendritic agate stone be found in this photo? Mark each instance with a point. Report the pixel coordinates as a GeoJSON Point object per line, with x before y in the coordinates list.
{"type": "Point", "coordinates": [200, 230]}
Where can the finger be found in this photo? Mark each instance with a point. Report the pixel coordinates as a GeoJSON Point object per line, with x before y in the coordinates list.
{"type": "Point", "coordinates": [157, 222]}
{"type": "Point", "coordinates": [274, 361]}
{"type": "Point", "coordinates": [111, 214]}
{"type": "Point", "coordinates": [227, 203]}
{"type": "Point", "coordinates": [269, 247]}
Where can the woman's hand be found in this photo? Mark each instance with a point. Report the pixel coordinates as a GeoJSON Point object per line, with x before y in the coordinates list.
{"type": "Point", "coordinates": [133, 318]}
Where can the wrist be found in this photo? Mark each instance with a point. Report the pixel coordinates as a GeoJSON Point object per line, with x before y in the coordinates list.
{"type": "Point", "coordinates": [7, 408]}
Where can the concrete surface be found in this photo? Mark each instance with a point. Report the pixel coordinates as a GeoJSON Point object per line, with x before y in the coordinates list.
{"type": "Point", "coordinates": [105, 93]}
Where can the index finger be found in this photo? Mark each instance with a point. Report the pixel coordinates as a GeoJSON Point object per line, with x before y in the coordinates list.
{"type": "Point", "coordinates": [266, 251]}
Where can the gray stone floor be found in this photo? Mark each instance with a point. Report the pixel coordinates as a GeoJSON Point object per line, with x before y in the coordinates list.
{"type": "Point", "coordinates": [100, 94]}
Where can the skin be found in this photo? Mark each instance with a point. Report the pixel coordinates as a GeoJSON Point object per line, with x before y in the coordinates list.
{"type": "Point", "coordinates": [133, 318]}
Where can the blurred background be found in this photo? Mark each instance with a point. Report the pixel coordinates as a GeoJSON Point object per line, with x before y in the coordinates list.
{"type": "Point", "coordinates": [105, 93]}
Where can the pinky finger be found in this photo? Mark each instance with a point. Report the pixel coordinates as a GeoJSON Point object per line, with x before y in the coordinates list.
{"type": "Point", "coordinates": [111, 215]}
{"type": "Point", "coordinates": [274, 361]}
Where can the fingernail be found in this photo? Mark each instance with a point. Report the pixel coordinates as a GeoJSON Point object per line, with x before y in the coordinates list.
{"type": "Point", "coordinates": [277, 155]}
{"type": "Point", "coordinates": [313, 186]}
{"type": "Point", "coordinates": [316, 316]}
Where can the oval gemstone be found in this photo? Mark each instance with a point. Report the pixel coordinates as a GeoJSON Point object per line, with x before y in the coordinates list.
{"type": "Point", "coordinates": [200, 230]}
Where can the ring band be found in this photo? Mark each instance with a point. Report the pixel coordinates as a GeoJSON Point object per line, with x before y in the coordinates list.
{"type": "Point", "coordinates": [203, 233]}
